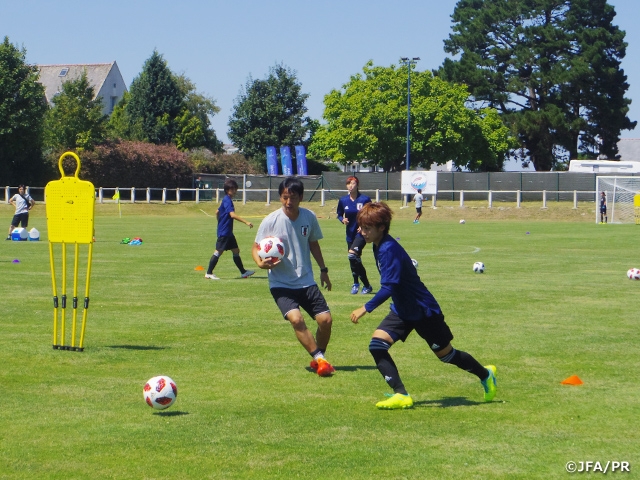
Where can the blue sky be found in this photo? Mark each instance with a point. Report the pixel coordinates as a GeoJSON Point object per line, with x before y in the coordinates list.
{"type": "Point", "coordinates": [218, 44]}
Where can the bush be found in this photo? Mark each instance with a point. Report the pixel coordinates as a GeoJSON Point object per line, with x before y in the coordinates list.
{"type": "Point", "coordinates": [133, 164]}
{"type": "Point", "coordinates": [204, 161]}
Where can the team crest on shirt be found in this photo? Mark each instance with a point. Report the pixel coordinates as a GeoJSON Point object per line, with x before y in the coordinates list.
{"type": "Point", "coordinates": [359, 206]}
{"type": "Point", "coordinates": [304, 230]}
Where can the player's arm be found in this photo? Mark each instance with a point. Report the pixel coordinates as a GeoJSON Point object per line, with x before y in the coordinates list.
{"type": "Point", "coordinates": [378, 299]}
{"type": "Point", "coordinates": [340, 213]}
{"type": "Point", "coordinates": [32, 202]}
{"type": "Point", "coordinates": [314, 248]}
{"type": "Point", "coordinates": [240, 219]}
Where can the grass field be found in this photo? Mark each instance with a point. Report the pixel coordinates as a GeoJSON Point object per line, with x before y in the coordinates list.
{"type": "Point", "coordinates": [554, 302]}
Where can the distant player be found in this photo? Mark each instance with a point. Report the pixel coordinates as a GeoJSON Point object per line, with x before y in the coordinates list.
{"type": "Point", "coordinates": [23, 203]}
{"type": "Point", "coordinates": [291, 279]}
{"type": "Point", "coordinates": [603, 208]}
{"type": "Point", "coordinates": [413, 308]}
{"type": "Point", "coordinates": [418, 198]}
{"type": "Point", "coordinates": [226, 239]}
{"type": "Point", "coordinates": [347, 210]}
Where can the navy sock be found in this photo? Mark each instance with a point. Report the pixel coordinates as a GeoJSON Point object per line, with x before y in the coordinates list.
{"type": "Point", "coordinates": [380, 351]}
{"type": "Point", "coordinates": [212, 263]}
{"type": "Point", "coordinates": [466, 362]}
{"type": "Point", "coordinates": [238, 261]}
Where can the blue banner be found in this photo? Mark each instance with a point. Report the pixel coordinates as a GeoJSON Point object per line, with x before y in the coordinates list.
{"type": "Point", "coordinates": [272, 161]}
{"type": "Point", "coordinates": [285, 159]}
{"type": "Point", "coordinates": [301, 160]}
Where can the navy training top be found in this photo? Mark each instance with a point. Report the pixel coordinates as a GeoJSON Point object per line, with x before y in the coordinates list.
{"type": "Point", "coordinates": [412, 301]}
{"type": "Point", "coordinates": [225, 222]}
{"type": "Point", "coordinates": [349, 208]}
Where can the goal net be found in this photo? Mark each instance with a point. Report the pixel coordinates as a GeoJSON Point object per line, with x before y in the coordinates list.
{"type": "Point", "coordinates": [623, 199]}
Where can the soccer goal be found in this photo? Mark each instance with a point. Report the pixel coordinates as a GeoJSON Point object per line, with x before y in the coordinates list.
{"type": "Point", "coordinates": [623, 199]}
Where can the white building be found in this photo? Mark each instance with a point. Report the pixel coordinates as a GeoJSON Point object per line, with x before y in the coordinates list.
{"type": "Point", "coordinates": [105, 78]}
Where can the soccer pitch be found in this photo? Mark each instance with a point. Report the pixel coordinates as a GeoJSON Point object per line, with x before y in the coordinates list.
{"type": "Point", "coordinates": [554, 302]}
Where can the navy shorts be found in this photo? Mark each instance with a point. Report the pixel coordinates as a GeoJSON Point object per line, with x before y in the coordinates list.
{"type": "Point", "coordinates": [226, 243]}
{"type": "Point", "coordinates": [309, 298]}
{"type": "Point", "coordinates": [21, 219]}
{"type": "Point", "coordinates": [357, 245]}
{"type": "Point", "coordinates": [419, 210]}
{"type": "Point", "coordinates": [433, 329]}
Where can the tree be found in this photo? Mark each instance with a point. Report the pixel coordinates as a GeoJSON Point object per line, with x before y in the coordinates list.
{"type": "Point", "coordinates": [270, 112]}
{"type": "Point", "coordinates": [367, 119]}
{"type": "Point", "coordinates": [551, 67]}
{"type": "Point", "coordinates": [76, 120]}
{"type": "Point", "coordinates": [155, 102]}
{"type": "Point", "coordinates": [22, 109]}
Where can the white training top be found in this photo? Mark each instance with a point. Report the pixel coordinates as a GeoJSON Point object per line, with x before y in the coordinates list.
{"type": "Point", "coordinates": [21, 205]}
{"type": "Point", "coordinates": [418, 199]}
{"type": "Point", "coordinates": [294, 271]}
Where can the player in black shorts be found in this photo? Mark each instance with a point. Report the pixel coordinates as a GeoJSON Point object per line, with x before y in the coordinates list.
{"type": "Point", "coordinates": [413, 308]}
{"type": "Point", "coordinates": [603, 208]}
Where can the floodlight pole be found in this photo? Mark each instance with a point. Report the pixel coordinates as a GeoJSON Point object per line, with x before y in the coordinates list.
{"type": "Point", "coordinates": [409, 63]}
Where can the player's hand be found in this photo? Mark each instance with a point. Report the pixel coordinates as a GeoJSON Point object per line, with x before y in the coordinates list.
{"type": "Point", "coordinates": [345, 220]}
{"type": "Point", "coordinates": [268, 263]}
{"type": "Point", "coordinates": [250, 224]}
{"type": "Point", "coordinates": [358, 314]}
{"type": "Point", "coordinates": [324, 280]}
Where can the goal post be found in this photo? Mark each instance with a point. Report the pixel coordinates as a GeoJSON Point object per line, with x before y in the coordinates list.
{"type": "Point", "coordinates": [623, 198]}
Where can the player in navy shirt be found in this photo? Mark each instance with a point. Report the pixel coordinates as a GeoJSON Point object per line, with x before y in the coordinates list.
{"type": "Point", "coordinates": [603, 207]}
{"type": "Point", "coordinates": [413, 308]}
{"type": "Point", "coordinates": [226, 239]}
{"type": "Point", "coordinates": [348, 208]}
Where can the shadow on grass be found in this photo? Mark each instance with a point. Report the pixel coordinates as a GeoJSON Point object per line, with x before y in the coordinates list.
{"type": "Point", "coordinates": [352, 368]}
{"type": "Point", "coordinates": [449, 402]}
{"type": "Point", "coordinates": [171, 414]}
{"type": "Point", "coordinates": [137, 347]}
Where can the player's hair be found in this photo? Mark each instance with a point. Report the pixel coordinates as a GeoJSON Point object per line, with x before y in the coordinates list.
{"type": "Point", "coordinates": [419, 190]}
{"type": "Point", "coordinates": [293, 185]}
{"type": "Point", "coordinates": [230, 184]}
{"type": "Point", "coordinates": [375, 214]}
{"type": "Point", "coordinates": [21, 186]}
{"type": "Point", "coordinates": [351, 178]}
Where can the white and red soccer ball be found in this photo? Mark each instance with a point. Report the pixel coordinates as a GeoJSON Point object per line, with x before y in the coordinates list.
{"type": "Point", "coordinates": [160, 392]}
{"type": "Point", "coordinates": [633, 273]}
{"type": "Point", "coordinates": [271, 247]}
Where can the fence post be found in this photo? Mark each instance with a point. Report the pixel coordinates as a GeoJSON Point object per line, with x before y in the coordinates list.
{"type": "Point", "coordinates": [518, 200]}
{"type": "Point", "coordinates": [268, 196]}
{"type": "Point", "coordinates": [6, 194]}
{"type": "Point", "coordinates": [197, 195]}
{"type": "Point", "coordinates": [575, 199]}
{"type": "Point", "coordinates": [148, 195]}
{"type": "Point", "coordinates": [490, 199]}
{"type": "Point", "coordinates": [100, 195]}
{"type": "Point", "coordinates": [377, 195]}
{"type": "Point", "coordinates": [433, 200]}
{"type": "Point", "coordinates": [164, 195]}
{"type": "Point", "coordinates": [178, 195]}
{"type": "Point", "coordinates": [461, 198]}
{"type": "Point", "coordinates": [217, 195]}
{"type": "Point", "coordinates": [322, 197]}
{"type": "Point", "coordinates": [244, 189]}
{"type": "Point", "coordinates": [544, 199]}
{"type": "Point", "coordinates": [133, 194]}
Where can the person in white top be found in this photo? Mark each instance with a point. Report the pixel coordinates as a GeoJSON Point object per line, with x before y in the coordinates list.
{"type": "Point", "coordinates": [23, 203]}
{"type": "Point", "coordinates": [291, 279]}
{"type": "Point", "coordinates": [418, 199]}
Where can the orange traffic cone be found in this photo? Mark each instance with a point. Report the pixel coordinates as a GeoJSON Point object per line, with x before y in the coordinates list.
{"type": "Point", "coordinates": [572, 380]}
{"type": "Point", "coordinates": [199, 268]}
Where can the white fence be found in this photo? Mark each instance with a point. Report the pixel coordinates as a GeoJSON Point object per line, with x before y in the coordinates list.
{"type": "Point", "coordinates": [197, 195]}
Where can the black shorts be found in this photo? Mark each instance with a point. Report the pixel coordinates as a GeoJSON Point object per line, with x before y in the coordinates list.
{"type": "Point", "coordinates": [419, 210]}
{"type": "Point", "coordinates": [603, 209]}
{"type": "Point", "coordinates": [357, 245]}
{"type": "Point", "coordinates": [21, 219]}
{"type": "Point", "coordinates": [226, 243]}
{"type": "Point", "coordinates": [309, 298]}
{"type": "Point", "coordinates": [433, 329]}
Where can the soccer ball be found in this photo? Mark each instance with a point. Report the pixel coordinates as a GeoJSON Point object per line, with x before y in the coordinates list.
{"type": "Point", "coordinates": [415, 262]}
{"type": "Point", "coordinates": [271, 247]}
{"type": "Point", "coordinates": [633, 274]}
{"type": "Point", "coordinates": [462, 221]}
{"type": "Point", "coordinates": [160, 392]}
{"type": "Point", "coordinates": [478, 267]}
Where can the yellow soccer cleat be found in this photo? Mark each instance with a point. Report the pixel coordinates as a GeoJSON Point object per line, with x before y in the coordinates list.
{"type": "Point", "coordinates": [490, 384]}
{"type": "Point", "coordinates": [395, 402]}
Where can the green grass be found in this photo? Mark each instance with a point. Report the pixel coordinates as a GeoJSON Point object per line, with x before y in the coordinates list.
{"type": "Point", "coordinates": [552, 303]}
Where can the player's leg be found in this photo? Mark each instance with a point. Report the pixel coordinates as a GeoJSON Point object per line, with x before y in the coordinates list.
{"type": "Point", "coordinates": [232, 245]}
{"type": "Point", "coordinates": [388, 332]}
{"type": "Point", "coordinates": [316, 306]}
{"type": "Point", "coordinates": [15, 221]}
{"type": "Point", "coordinates": [355, 252]}
{"type": "Point", "coordinates": [221, 246]}
{"type": "Point", "coordinates": [438, 336]}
